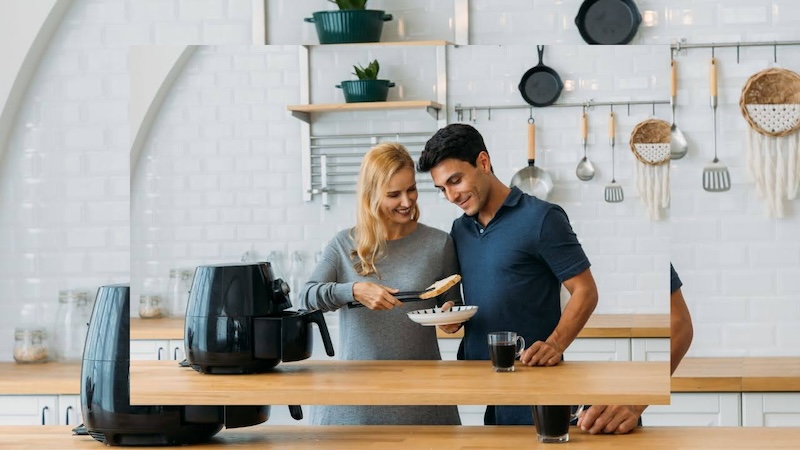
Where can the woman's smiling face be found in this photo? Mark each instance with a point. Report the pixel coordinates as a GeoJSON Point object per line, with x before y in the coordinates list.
{"type": "Point", "coordinates": [397, 204]}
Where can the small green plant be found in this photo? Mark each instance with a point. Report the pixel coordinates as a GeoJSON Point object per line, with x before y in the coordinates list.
{"type": "Point", "coordinates": [368, 73]}
{"type": "Point", "coordinates": [350, 4]}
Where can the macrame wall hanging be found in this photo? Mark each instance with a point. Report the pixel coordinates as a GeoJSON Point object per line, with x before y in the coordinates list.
{"type": "Point", "coordinates": [650, 143]}
{"type": "Point", "coordinates": [770, 103]}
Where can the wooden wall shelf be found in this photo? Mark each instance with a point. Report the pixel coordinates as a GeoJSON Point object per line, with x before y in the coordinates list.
{"type": "Point", "coordinates": [303, 112]}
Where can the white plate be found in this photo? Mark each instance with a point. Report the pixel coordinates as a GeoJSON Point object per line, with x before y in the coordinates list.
{"type": "Point", "coordinates": [435, 316]}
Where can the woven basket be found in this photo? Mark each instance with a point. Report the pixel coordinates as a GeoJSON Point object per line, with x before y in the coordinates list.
{"type": "Point", "coordinates": [650, 142]}
{"type": "Point", "coordinates": [770, 102]}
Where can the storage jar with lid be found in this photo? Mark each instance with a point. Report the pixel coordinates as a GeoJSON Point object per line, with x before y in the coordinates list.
{"type": "Point", "coordinates": [30, 345]}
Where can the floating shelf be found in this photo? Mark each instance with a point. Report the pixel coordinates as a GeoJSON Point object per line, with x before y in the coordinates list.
{"type": "Point", "coordinates": [303, 112]}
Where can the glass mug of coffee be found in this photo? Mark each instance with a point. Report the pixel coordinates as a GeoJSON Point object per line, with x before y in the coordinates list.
{"type": "Point", "coordinates": [504, 348]}
{"type": "Point", "coordinates": [552, 421]}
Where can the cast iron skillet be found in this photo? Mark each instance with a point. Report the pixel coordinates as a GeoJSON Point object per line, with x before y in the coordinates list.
{"type": "Point", "coordinates": [609, 22]}
{"type": "Point", "coordinates": [541, 85]}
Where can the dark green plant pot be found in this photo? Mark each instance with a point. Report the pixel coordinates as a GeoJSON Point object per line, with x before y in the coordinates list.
{"type": "Point", "coordinates": [349, 26]}
{"type": "Point", "coordinates": [356, 91]}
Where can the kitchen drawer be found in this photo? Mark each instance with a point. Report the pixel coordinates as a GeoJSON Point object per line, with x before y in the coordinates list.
{"type": "Point", "coordinates": [650, 349]}
{"type": "Point", "coordinates": [597, 349]}
{"type": "Point", "coordinates": [771, 409]}
{"type": "Point", "coordinates": [696, 410]}
{"type": "Point", "coordinates": [28, 410]}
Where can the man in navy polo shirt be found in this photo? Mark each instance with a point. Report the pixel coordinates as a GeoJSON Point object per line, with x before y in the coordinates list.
{"type": "Point", "coordinates": [515, 251]}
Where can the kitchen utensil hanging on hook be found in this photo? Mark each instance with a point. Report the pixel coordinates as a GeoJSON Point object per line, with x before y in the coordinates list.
{"type": "Point", "coordinates": [678, 145]}
{"type": "Point", "coordinates": [585, 169]}
{"type": "Point", "coordinates": [613, 192]}
{"type": "Point", "coordinates": [541, 85]}
{"type": "Point", "coordinates": [608, 22]}
{"type": "Point", "coordinates": [715, 175]}
{"type": "Point", "coordinates": [531, 179]}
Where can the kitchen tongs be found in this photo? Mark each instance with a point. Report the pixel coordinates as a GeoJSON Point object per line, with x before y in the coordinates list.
{"type": "Point", "coordinates": [434, 290]}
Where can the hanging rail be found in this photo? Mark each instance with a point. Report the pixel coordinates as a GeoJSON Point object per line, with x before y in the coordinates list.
{"type": "Point", "coordinates": [683, 45]}
{"type": "Point", "coordinates": [459, 109]}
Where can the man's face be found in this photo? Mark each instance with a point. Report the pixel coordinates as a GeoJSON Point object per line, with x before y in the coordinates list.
{"type": "Point", "coordinates": [462, 183]}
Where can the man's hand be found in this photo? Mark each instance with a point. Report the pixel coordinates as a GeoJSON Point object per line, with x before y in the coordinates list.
{"type": "Point", "coordinates": [541, 354]}
{"type": "Point", "coordinates": [453, 327]}
{"type": "Point", "coordinates": [617, 419]}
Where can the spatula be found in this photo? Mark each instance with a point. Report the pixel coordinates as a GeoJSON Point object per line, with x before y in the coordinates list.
{"type": "Point", "coordinates": [613, 192]}
{"type": "Point", "coordinates": [715, 176]}
{"type": "Point", "coordinates": [434, 290]}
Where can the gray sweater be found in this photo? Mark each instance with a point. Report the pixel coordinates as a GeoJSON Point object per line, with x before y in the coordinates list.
{"type": "Point", "coordinates": [411, 263]}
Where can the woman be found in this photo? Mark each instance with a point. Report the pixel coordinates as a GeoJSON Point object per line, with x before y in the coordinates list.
{"type": "Point", "coordinates": [388, 250]}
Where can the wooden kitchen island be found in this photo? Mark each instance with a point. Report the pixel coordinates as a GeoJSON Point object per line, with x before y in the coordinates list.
{"type": "Point", "coordinates": [404, 383]}
{"type": "Point", "coordinates": [435, 437]}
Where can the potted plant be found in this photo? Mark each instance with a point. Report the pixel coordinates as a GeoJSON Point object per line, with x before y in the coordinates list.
{"type": "Point", "coordinates": [351, 23]}
{"type": "Point", "coordinates": [368, 88]}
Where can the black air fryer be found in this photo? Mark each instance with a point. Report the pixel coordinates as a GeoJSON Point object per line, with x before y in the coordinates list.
{"type": "Point", "coordinates": [105, 389]}
{"type": "Point", "coordinates": [237, 321]}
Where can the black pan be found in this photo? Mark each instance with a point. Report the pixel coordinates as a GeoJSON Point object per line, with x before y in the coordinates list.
{"type": "Point", "coordinates": [541, 85]}
{"type": "Point", "coordinates": [608, 22]}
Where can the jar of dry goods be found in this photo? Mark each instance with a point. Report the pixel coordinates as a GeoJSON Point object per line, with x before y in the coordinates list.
{"type": "Point", "coordinates": [151, 307]}
{"type": "Point", "coordinates": [30, 345]}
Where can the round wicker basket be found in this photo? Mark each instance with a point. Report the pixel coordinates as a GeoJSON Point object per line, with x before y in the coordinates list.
{"type": "Point", "coordinates": [650, 142]}
{"type": "Point", "coordinates": [770, 102]}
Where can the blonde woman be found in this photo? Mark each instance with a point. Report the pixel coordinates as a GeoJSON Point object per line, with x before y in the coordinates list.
{"type": "Point", "coordinates": [388, 250]}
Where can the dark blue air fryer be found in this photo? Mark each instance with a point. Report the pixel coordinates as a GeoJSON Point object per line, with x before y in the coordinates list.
{"type": "Point", "coordinates": [105, 389]}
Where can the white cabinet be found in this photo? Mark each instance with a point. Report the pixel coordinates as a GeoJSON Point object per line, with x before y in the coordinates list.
{"type": "Point", "coordinates": [771, 409]}
{"type": "Point", "coordinates": [157, 349]}
{"type": "Point", "coordinates": [598, 349]}
{"type": "Point", "coordinates": [29, 410]}
{"type": "Point", "coordinates": [650, 349]}
{"type": "Point", "coordinates": [69, 410]}
{"type": "Point", "coordinates": [696, 409]}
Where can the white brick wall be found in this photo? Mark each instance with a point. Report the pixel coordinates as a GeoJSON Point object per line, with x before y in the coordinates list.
{"type": "Point", "coordinates": [64, 179]}
{"type": "Point", "coordinates": [740, 268]}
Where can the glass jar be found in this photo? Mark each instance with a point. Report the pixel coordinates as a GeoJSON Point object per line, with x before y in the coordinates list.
{"type": "Point", "coordinates": [30, 345]}
{"type": "Point", "coordinates": [180, 282]}
{"type": "Point", "coordinates": [150, 307]}
{"type": "Point", "coordinates": [72, 323]}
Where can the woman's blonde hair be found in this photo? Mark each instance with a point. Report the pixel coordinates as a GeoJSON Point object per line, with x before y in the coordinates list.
{"type": "Point", "coordinates": [378, 167]}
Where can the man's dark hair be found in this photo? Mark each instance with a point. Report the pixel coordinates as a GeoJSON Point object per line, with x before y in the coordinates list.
{"type": "Point", "coordinates": [457, 140]}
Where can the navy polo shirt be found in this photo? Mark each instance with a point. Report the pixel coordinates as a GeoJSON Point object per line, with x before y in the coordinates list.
{"type": "Point", "coordinates": [674, 281]}
{"type": "Point", "coordinates": [513, 269]}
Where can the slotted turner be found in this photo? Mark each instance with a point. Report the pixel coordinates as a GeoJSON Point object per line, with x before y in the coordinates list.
{"type": "Point", "coordinates": [613, 191]}
{"type": "Point", "coordinates": [434, 290]}
{"type": "Point", "coordinates": [716, 177]}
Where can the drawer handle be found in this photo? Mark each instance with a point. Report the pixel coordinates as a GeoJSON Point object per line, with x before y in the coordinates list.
{"type": "Point", "coordinates": [66, 413]}
{"type": "Point", "coordinates": [175, 353]}
{"type": "Point", "coordinates": [44, 411]}
{"type": "Point", "coordinates": [160, 349]}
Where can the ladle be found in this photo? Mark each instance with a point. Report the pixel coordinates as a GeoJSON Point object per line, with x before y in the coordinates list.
{"type": "Point", "coordinates": [585, 169]}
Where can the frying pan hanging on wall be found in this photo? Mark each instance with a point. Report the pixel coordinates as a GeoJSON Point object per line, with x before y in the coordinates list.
{"type": "Point", "coordinates": [541, 85]}
{"type": "Point", "coordinates": [608, 22]}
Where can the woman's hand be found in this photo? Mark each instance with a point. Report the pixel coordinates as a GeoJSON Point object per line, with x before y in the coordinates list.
{"type": "Point", "coordinates": [375, 296]}
{"type": "Point", "coordinates": [453, 327]}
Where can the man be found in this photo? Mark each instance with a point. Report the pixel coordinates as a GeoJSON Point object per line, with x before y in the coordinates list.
{"type": "Point", "coordinates": [515, 251]}
{"type": "Point", "coordinates": [621, 419]}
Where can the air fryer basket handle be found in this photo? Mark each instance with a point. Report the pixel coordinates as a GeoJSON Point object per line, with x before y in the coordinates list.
{"type": "Point", "coordinates": [317, 317]}
{"type": "Point", "coordinates": [296, 411]}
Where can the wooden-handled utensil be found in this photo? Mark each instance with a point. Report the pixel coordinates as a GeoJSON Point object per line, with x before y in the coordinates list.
{"type": "Point", "coordinates": [613, 192]}
{"type": "Point", "coordinates": [585, 169]}
{"type": "Point", "coordinates": [434, 290]}
{"type": "Point", "coordinates": [678, 145]}
{"type": "Point", "coordinates": [715, 176]}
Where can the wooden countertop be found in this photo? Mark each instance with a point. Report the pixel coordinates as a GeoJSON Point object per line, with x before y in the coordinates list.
{"type": "Point", "coordinates": [610, 326]}
{"type": "Point", "coordinates": [50, 378]}
{"type": "Point", "coordinates": [165, 328]}
{"type": "Point", "coordinates": [742, 374]}
{"type": "Point", "coordinates": [404, 383]}
{"type": "Point", "coordinates": [440, 437]}
{"type": "Point", "coordinates": [598, 326]}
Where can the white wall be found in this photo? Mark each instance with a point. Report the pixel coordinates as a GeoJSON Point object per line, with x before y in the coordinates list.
{"type": "Point", "coordinates": [740, 267]}
{"type": "Point", "coordinates": [64, 178]}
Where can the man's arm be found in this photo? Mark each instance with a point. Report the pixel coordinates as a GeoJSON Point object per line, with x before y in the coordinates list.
{"type": "Point", "coordinates": [680, 329]}
{"type": "Point", "coordinates": [621, 419]}
{"type": "Point", "coordinates": [582, 302]}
